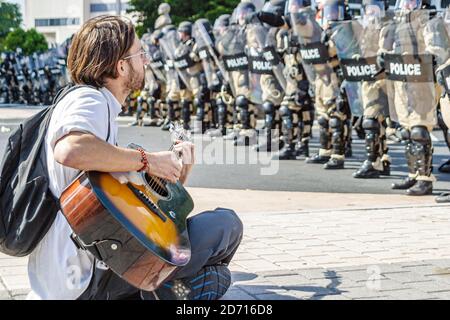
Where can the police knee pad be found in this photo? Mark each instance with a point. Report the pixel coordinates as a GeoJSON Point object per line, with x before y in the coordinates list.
{"type": "Point", "coordinates": [323, 122]}
{"type": "Point", "coordinates": [405, 134]}
{"type": "Point", "coordinates": [198, 102]}
{"type": "Point", "coordinates": [140, 100]}
{"type": "Point", "coordinates": [285, 111]}
{"type": "Point", "coordinates": [371, 124]}
{"type": "Point", "coordinates": [336, 124]}
{"type": "Point", "coordinates": [242, 102]}
{"type": "Point", "coordinates": [420, 134]}
{"type": "Point", "coordinates": [268, 107]}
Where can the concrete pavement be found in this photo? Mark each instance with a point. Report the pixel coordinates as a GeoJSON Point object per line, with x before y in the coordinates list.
{"type": "Point", "coordinates": [311, 245]}
{"type": "Point", "coordinates": [350, 248]}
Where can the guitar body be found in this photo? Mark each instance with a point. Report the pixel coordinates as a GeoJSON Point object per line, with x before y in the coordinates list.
{"type": "Point", "coordinates": [134, 223]}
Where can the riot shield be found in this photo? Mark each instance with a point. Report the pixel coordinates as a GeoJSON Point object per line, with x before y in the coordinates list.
{"type": "Point", "coordinates": [307, 33]}
{"type": "Point", "coordinates": [206, 53]}
{"type": "Point", "coordinates": [258, 66]}
{"type": "Point", "coordinates": [272, 55]}
{"type": "Point", "coordinates": [409, 68]}
{"type": "Point", "coordinates": [231, 46]}
{"type": "Point", "coordinates": [345, 38]}
{"type": "Point", "coordinates": [177, 58]}
{"type": "Point", "coordinates": [156, 63]}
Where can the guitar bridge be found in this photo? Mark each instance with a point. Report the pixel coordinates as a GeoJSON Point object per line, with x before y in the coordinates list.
{"type": "Point", "coordinates": [148, 203]}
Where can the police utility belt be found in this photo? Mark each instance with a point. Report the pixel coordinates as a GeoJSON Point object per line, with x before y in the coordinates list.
{"type": "Point", "coordinates": [362, 69]}
{"type": "Point", "coordinates": [409, 68]}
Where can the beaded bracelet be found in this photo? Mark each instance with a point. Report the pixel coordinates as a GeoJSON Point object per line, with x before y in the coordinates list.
{"type": "Point", "coordinates": [144, 160]}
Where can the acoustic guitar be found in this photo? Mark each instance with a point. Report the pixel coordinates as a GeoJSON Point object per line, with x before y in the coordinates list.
{"type": "Point", "coordinates": [134, 222]}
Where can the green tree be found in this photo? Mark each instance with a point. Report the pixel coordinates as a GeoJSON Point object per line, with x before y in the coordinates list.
{"type": "Point", "coordinates": [181, 10]}
{"type": "Point", "coordinates": [30, 41]}
{"type": "Point", "coordinates": [10, 18]}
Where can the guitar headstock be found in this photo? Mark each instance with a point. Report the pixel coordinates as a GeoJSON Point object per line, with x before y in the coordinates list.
{"type": "Point", "coordinates": [179, 133]}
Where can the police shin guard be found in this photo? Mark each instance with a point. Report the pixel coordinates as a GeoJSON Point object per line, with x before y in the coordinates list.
{"type": "Point", "coordinates": [171, 115]}
{"type": "Point", "coordinates": [200, 125]}
{"type": "Point", "coordinates": [288, 150]}
{"type": "Point", "coordinates": [372, 130]}
{"type": "Point", "coordinates": [186, 114]}
{"type": "Point", "coordinates": [422, 151]}
{"type": "Point", "coordinates": [269, 125]}
{"type": "Point", "coordinates": [139, 113]}
{"type": "Point", "coordinates": [302, 146]}
{"type": "Point", "coordinates": [338, 144]}
{"type": "Point", "coordinates": [243, 111]}
{"type": "Point", "coordinates": [409, 181]}
{"type": "Point", "coordinates": [325, 143]}
{"type": "Point", "coordinates": [244, 117]}
{"type": "Point", "coordinates": [152, 112]}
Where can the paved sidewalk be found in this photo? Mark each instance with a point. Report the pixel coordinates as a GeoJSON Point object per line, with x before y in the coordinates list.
{"type": "Point", "coordinates": [352, 248]}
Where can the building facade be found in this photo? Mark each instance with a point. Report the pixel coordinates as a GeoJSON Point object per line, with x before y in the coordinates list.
{"type": "Point", "coordinates": [58, 20]}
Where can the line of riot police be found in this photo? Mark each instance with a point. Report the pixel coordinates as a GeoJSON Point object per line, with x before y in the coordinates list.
{"type": "Point", "coordinates": [296, 61]}
{"type": "Point", "coordinates": [34, 79]}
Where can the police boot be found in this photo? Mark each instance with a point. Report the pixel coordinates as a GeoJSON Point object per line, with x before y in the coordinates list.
{"type": "Point", "coordinates": [423, 153]}
{"type": "Point", "coordinates": [199, 125]}
{"type": "Point", "coordinates": [154, 121]}
{"type": "Point", "coordinates": [337, 139]}
{"type": "Point", "coordinates": [171, 115]}
{"type": "Point", "coordinates": [325, 149]}
{"type": "Point", "coordinates": [287, 152]}
{"type": "Point", "coordinates": [186, 114]}
{"type": "Point", "coordinates": [302, 149]}
{"type": "Point", "coordinates": [245, 135]}
{"type": "Point", "coordinates": [221, 120]}
{"type": "Point", "coordinates": [409, 181]}
{"type": "Point", "coordinates": [139, 116]}
{"type": "Point", "coordinates": [372, 130]}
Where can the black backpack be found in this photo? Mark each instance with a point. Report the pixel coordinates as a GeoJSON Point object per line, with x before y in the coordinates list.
{"type": "Point", "coordinates": [27, 206]}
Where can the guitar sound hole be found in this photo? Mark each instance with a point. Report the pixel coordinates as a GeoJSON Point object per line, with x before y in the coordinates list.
{"type": "Point", "coordinates": [157, 185]}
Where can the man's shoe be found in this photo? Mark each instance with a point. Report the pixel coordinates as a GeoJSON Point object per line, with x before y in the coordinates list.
{"type": "Point", "coordinates": [210, 283]}
{"type": "Point", "coordinates": [333, 164]}
{"type": "Point", "coordinates": [421, 188]}
{"type": "Point", "coordinates": [405, 184]}
{"type": "Point", "coordinates": [367, 171]}
{"type": "Point", "coordinates": [318, 159]}
{"type": "Point", "coordinates": [443, 198]}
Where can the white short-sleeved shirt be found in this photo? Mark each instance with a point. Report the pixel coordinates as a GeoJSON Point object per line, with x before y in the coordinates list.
{"type": "Point", "coordinates": [56, 268]}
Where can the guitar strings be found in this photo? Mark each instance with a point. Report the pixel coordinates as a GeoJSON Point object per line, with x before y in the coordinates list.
{"type": "Point", "coordinates": [157, 183]}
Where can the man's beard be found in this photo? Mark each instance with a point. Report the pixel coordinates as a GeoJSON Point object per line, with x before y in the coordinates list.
{"type": "Point", "coordinates": [135, 80]}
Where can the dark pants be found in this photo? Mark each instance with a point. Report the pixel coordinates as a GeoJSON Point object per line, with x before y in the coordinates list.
{"type": "Point", "coordinates": [214, 236]}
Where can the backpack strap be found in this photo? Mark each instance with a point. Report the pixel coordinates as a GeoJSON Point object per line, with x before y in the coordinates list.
{"type": "Point", "coordinates": [71, 87]}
